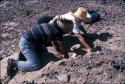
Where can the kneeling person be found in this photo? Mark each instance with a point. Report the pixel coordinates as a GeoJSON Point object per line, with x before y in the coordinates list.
{"type": "Point", "coordinates": [31, 40]}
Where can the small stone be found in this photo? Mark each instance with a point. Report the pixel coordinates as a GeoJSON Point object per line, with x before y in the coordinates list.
{"type": "Point", "coordinates": [74, 55]}
{"type": "Point", "coordinates": [12, 24]}
{"type": "Point", "coordinates": [63, 77]}
{"type": "Point", "coordinates": [90, 61]}
{"type": "Point", "coordinates": [97, 52]}
{"type": "Point", "coordinates": [4, 35]}
{"type": "Point", "coordinates": [75, 47]}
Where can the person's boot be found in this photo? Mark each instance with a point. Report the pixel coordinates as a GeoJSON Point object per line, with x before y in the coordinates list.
{"type": "Point", "coordinates": [11, 67]}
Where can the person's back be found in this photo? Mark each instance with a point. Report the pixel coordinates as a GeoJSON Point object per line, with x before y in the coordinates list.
{"type": "Point", "coordinates": [42, 33]}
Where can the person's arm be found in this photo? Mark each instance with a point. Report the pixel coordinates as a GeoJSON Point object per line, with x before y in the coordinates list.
{"type": "Point", "coordinates": [44, 19]}
{"type": "Point", "coordinates": [83, 42]}
{"type": "Point", "coordinates": [60, 48]}
{"type": "Point", "coordinates": [56, 45]}
{"type": "Point", "coordinates": [54, 19]}
{"type": "Point", "coordinates": [83, 30]}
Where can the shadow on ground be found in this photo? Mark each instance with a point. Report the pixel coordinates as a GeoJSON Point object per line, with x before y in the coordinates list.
{"type": "Point", "coordinates": [71, 40]}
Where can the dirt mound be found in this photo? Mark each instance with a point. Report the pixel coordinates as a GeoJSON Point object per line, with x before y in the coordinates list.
{"type": "Point", "coordinates": [104, 65]}
{"type": "Point", "coordinates": [94, 68]}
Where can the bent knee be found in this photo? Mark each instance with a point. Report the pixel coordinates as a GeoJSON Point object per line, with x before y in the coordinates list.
{"type": "Point", "coordinates": [36, 67]}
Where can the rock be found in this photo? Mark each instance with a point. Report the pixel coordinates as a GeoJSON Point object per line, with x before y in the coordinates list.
{"type": "Point", "coordinates": [4, 35]}
{"type": "Point", "coordinates": [63, 77]}
{"type": "Point", "coordinates": [118, 64]}
{"type": "Point", "coordinates": [74, 55]}
{"type": "Point", "coordinates": [97, 52]}
{"type": "Point", "coordinates": [11, 24]}
{"type": "Point", "coordinates": [75, 47]}
{"type": "Point", "coordinates": [4, 4]}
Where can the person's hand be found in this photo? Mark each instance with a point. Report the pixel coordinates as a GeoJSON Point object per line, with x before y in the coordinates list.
{"type": "Point", "coordinates": [54, 19]}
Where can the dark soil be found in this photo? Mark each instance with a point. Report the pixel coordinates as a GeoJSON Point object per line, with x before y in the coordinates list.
{"type": "Point", "coordinates": [17, 15]}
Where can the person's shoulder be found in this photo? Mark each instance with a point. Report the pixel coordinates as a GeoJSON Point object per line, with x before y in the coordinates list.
{"type": "Point", "coordinates": [68, 16]}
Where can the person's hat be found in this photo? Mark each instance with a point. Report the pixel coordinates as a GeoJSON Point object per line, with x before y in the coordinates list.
{"type": "Point", "coordinates": [65, 25]}
{"type": "Point", "coordinates": [82, 14]}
